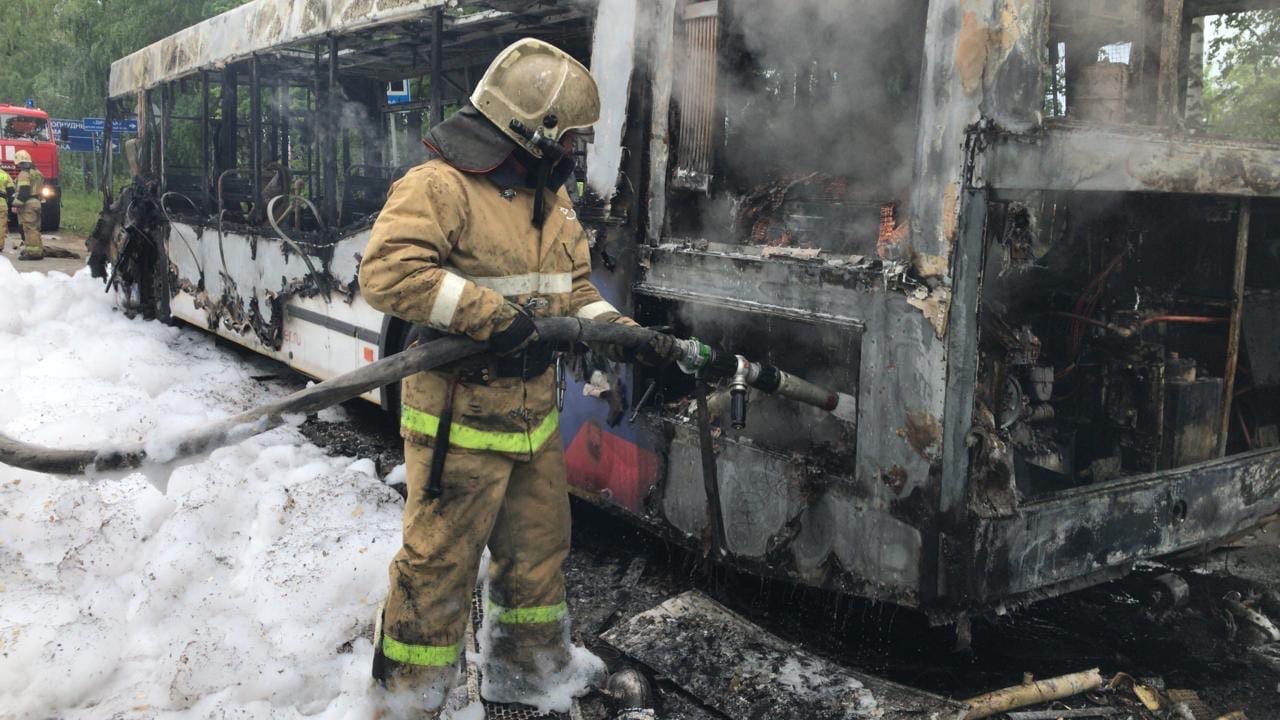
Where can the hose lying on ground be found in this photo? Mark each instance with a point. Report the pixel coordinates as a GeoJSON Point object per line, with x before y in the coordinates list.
{"type": "Point", "coordinates": [331, 392]}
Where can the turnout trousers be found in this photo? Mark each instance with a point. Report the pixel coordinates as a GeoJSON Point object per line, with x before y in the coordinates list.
{"type": "Point", "coordinates": [517, 505]}
{"type": "Point", "coordinates": [29, 218]}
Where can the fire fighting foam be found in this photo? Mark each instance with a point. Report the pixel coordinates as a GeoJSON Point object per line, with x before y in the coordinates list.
{"type": "Point", "coordinates": [244, 590]}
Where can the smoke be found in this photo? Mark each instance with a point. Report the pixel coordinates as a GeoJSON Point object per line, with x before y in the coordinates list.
{"type": "Point", "coordinates": [354, 116]}
{"type": "Point", "coordinates": [826, 87]}
{"type": "Point", "coordinates": [612, 61]}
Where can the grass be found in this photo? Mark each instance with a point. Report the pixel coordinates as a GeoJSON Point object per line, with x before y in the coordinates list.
{"type": "Point", "coordinates": [80, 210]}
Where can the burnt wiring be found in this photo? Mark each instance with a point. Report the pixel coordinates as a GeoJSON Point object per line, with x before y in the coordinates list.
{"type": "Point", "coordinates": [1077, 319]}
{"type": "Point", "coordinates": [322, 282]}
{"type": "Point", "coordinates": [1185, 320]}
{"type": "Point", "coordinates": [1123, 331]}
{"type": "Point", "coordinates": [1087, 304]}
{"type": "Point", "coordinates": [173, 226]}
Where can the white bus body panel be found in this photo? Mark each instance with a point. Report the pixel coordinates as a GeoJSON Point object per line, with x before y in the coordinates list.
{"type": "Point", "coordinates": [230, 283]}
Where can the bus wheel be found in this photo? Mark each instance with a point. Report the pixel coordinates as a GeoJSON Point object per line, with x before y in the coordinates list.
{"type": "Point", "coordinates": [51, 216]}
{"type": "Point", "coordinates": [397, 335]}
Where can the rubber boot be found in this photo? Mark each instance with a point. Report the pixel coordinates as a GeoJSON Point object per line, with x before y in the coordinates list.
{"type": "Point", "coordinates": [535, 665]}
{"type": "Point", "coordinates": [412, 692]}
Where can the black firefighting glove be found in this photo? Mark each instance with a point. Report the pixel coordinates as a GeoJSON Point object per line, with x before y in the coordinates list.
{"type": "Point", "coordinates": [660, 351]}
{"type": "Point", "coordinates": [515, 337]}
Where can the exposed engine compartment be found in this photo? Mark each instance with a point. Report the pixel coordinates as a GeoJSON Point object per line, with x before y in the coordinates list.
{"type": "Point", "coordinates": [1105, 339]}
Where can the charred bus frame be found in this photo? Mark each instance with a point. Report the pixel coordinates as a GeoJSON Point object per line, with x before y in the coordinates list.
{"type": "Point", "coordinates": [1036, 280]}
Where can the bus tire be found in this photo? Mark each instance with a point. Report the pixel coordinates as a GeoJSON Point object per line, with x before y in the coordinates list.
{"type": "Point", "coordinates": [51, 216]}
{"type": "Point", "coordinates": [395, 335]}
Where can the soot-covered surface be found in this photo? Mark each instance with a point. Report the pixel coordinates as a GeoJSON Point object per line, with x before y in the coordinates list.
{"type": "Point", "coordinates": [729, 663]}
{"type": "Point", "coordinates": [617, 571]}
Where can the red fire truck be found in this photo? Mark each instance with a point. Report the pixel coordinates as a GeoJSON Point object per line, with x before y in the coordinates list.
{"type": "Point", "coordinates": [24, 128]}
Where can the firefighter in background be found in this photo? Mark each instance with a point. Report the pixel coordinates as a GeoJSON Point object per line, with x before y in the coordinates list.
{"type": "Point", "coordinates": [7, 190]}
{"type": "Point", "coordinates": [30, 182]}
{"type": "Point", "coordinates": [478, 241]}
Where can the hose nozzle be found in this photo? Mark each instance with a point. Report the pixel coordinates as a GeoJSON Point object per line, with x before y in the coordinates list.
{"type": "Point", "coordinates": [739, 385]}
{"type": "Point", "coordinates": [694, 355]}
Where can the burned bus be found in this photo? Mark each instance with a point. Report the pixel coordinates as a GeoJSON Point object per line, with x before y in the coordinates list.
{"type": "Point", "coordinates": [1003, 227]}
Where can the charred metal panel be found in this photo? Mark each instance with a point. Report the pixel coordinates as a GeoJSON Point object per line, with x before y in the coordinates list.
{"type": "Point", "coordinates": [254, 27]}
{"type": "Point", "coordinates": [836, 291]}
{"type": "Point", "coordinates": [242, 280]}
{"type": "Point", "coordinates": [1262, 336]}
{"type": "Point", "coordinates": [962, 354]}
{"type": "Point", "coordinates": [760, 493]}
{"type": "Point", "coordinates": [662, 72]}
{"type": "Point", "coordinates": [745, 672]}
{"type": "Point", "coordinates": [1088, 531]}
{"type": "Point", "coordinates": [896, 452]}
{"type": "Point", "coordinates": [264, 25]}
{"type": "Point", "coordinates": [797, 519]}
{"type": "Point", "coordinates": [871, 524]}
{"type": "Point", "coordinates": [1113, 159]}
{"type": "Point", "coordinates": [985, 60]}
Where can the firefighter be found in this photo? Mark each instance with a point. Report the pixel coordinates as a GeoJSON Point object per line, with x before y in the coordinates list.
{"type": "Point", "coordinates": [30, 182]}
{"type": "Point", "coordinates": [478, 241]}
{"type": "Point", "coordinates": [7, 190]}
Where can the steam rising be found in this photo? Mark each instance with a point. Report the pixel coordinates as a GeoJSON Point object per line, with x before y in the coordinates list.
{"type": "Point", "coordinates": [612, 60]}
{"type": "Point", "coordinates": [823, 86]}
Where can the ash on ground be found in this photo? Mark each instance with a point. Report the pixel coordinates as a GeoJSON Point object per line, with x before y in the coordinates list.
{"type": "Point", "coordinates": [617, 570]}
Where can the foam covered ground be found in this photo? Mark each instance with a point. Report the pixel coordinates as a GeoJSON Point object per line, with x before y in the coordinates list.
{"type": "Point", "coordinates": [243, 591]}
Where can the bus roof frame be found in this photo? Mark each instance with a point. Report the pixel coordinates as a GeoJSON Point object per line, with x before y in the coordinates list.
{"type": "Point", "coordinates": [253, 28]}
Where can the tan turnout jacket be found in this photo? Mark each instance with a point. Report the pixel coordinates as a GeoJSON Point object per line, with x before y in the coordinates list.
{"type": "Point", "coordinates": [448, 250]}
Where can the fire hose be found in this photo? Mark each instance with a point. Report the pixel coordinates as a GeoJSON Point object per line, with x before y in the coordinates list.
{"type": "Point", "coordinates": [696, 358]}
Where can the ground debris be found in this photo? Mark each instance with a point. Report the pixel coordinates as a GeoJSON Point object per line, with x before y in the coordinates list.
{"type": "Point", "coordinates": [1033, 692]}
{"type": "Point", "coordinates": [1093, 712]}
{"type": "Point", "coordinates": [53, 251]}
{"type": "Point", "coordinates": [791, 253]}
{"type": "Point", "coordinates": [1122, 697]}
{"type": "Point", "coordinates": [741, 670]}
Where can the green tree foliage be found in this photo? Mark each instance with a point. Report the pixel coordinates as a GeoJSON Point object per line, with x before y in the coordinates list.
{"type": "Point", "coordinates": [60, 51]}
{"type": "Point", "coordinates": [1242, 97]}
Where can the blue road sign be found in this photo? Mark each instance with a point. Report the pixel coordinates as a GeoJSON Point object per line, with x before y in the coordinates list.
{"type": "Point", "coordinates": [98, 125]}
{"type": "Point", "coordinates": [80, 143]}
{"type": "Point", "coordinates": [73, 136]}
{"type": "Point", "coordinates": [57, 125]}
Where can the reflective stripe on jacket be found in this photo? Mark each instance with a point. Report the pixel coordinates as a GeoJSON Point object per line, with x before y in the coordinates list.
{"type": "Point", "coordinates": [448, 250]}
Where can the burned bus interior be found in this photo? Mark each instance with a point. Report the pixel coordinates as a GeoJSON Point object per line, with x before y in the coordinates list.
{"type": "Point", "coordinates": [1006, 230]}
{"type": "Point", "coordinates": [313, 120]}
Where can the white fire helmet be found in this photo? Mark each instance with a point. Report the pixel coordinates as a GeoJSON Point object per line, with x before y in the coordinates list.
{"type": "Point", "coordinates": [540, 87]}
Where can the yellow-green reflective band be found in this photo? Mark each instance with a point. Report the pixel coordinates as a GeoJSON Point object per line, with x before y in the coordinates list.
{"type": "Point", "coordinates": [431, 655]}
{"type": "Point", "coordinates": [527, 616]}
{"type": "Point", "coordinates": [472, 439]}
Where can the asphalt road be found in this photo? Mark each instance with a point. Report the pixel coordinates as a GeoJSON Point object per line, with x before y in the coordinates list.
{"type": "Point", "coordinates": [70, 242]}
